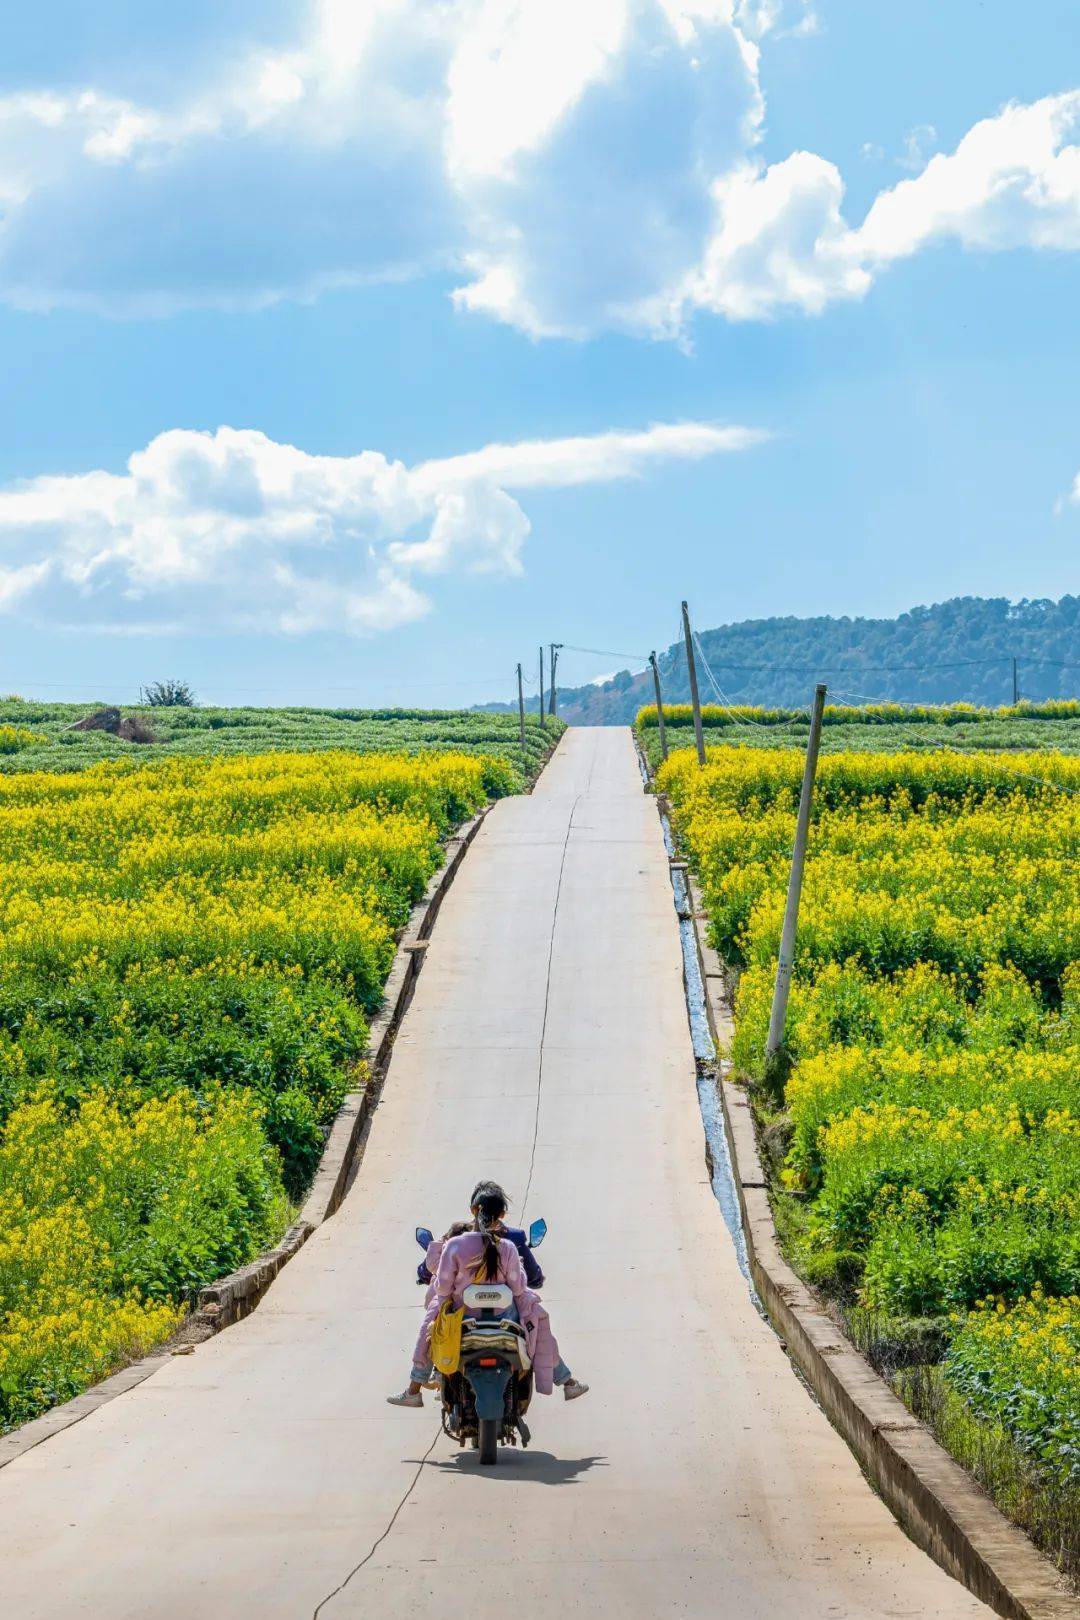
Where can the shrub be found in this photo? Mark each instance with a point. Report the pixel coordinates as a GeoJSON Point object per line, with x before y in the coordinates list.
{"type": "Point", "coordinates": [168, 694]}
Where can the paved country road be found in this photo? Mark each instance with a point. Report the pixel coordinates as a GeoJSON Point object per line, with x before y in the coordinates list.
{"type": "Point", "coordinates": [547, 1046]}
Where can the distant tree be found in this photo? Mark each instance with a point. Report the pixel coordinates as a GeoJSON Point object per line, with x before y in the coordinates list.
{"type": "Point", "coordinates": [170, 694]}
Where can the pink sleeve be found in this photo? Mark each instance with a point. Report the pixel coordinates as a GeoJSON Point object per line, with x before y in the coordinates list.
{"type": "Point", "coordinates": [513, 1270]}
{"type": "Point", "coordinates": [447, 1274]}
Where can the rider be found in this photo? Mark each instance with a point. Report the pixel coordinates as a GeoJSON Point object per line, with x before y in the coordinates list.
{"type": "Point", "coordinates": [484, 1248]}
{"type": "Point", "coordinates": [534, 1276]}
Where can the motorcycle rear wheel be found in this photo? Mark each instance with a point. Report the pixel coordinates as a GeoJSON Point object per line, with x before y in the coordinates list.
{"type": "Point", "coordinates": [488, 1442]}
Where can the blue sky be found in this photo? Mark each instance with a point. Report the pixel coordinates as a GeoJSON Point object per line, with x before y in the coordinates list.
{"type": "Point", "coordinates": [776, 305]}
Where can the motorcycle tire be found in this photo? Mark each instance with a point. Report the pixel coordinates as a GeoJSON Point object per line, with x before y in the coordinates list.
{"type": "Point", "coordinates": [488, 1442]}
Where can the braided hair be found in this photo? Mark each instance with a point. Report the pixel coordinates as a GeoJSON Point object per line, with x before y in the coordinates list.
{"type": "Point", "coordinates": [488, 1203]}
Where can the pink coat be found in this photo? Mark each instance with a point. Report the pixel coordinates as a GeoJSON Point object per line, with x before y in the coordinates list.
{"type": "Point", "coordinates": [453, 1265]}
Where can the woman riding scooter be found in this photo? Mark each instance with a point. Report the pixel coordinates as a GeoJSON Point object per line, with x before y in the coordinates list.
{"type": "Point", "coordinates": [482, 1254]}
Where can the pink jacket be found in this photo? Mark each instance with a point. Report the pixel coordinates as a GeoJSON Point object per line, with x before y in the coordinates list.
{"type": "Point", "coordinates": [453, 1266]}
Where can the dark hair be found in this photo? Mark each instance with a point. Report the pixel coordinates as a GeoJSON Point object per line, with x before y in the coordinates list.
{"type": "Point", "coordinates": [489, 1201]}
{"type": "Point", "coordinates": [455, 1229]}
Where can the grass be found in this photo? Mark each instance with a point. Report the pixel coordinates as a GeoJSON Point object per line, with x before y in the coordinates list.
{"type": "Point", "coordinates": [1048, 1511]}
{"type": "Point", "coordinates": [40, 738]}
{"type": "Point", "coordinates": [1030, 727]}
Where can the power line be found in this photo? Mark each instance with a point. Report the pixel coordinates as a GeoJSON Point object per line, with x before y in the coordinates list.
{"type": "Point", "coordinates": [725, 702]}
{"type": "Point", "coordinates": [883, 669]}
{"type": "Point", "coordinates": [606, 652]}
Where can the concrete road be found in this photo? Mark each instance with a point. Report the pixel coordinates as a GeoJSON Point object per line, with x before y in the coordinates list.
{"type": "Point", "coordinates": [264, 1476]}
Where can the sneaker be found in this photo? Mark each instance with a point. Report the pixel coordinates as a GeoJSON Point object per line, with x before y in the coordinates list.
{"type": "Point", "coordinates": [573, 1389]}
{"type": "Point", "coordinates": [406, 1398]}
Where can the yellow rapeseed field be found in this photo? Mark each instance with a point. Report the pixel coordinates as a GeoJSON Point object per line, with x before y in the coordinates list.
{"type": "Point", "coordinates": [932, 1102]}
{"type": "Point", "coordinates": [188, 954]}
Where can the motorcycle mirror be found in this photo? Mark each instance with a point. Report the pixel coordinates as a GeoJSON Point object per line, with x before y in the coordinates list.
{"type": "Point", "coordinates": [537, 1233]}
{"type": "Point", "coordinates": [424, 1237]}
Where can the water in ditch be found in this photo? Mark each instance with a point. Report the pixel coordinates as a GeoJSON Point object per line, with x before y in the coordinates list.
{"type": "Point", "coordinates": [712, 1119]}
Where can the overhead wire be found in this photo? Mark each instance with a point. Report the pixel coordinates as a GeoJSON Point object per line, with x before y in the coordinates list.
{"type": "Point", "coordinates": [724, 700]}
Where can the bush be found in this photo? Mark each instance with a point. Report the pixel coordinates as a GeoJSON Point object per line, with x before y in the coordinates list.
{"type": "Point", "coordinates": [168, 694]}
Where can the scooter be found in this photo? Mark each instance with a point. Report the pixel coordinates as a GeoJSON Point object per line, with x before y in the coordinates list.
{"type": "Point", "coordinates": [486, 1399]}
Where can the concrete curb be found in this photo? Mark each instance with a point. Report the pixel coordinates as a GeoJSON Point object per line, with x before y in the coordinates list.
{"type": "Point", "coordinates": [233, 1297]}
{"type": "Point", "coordinates": [934, 1498]}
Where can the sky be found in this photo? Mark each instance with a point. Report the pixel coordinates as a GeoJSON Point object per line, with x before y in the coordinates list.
{"type": "Point", "coordinates": [353, 348]}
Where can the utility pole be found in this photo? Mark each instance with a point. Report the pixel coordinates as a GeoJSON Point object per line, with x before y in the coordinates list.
{"type": "Point", "coordinates": [786, 960]}
{"type": "Point", "coordinates": [542, 722]}
{"type": "Point", "coordinates": [554, 650]}
{"type": "Point", "coordinates": [659, 706]}
{"type": "Point", "coordinates": [1016, 685]}
{"type": "Point", "coordinates": [521, 708]}
{"type": "Point", "coordinates": [694, 699]}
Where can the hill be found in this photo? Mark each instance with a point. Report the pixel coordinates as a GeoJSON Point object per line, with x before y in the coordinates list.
{"type": "Point", "coordinates": [960, 650]}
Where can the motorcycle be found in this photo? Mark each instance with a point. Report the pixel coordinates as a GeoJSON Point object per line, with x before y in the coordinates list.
{"type": "Point", "coordinates": [486, 1399]}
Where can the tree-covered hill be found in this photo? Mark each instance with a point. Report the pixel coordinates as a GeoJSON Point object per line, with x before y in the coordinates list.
{"type": "Point", "coordinates": [961, 650]}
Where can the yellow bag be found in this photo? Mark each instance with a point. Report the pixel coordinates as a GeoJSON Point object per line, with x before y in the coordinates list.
{"type": "Point", "coordinates": [446, 1339]}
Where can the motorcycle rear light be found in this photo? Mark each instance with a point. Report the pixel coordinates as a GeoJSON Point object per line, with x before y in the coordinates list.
{"type": "Point", "coordinates": [488, 1361]}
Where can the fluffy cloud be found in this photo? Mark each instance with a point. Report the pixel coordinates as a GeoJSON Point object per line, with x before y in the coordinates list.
{"type": "Point", "coordinates": [781, 241]}
{"type": "Point", "coordinates": [1013, 181]}
{"type": "Point", "coordinates": [394, 138]}
{"type": "Point", "coordinates": [591, 202]}
{"type": "Point", "coordinates": [575, 165]}
{"type": "Point", "coordinates": [231, 530]}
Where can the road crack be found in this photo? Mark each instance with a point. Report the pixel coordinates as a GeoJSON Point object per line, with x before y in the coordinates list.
{"type": "Point", "coordinates": [377, 1543]}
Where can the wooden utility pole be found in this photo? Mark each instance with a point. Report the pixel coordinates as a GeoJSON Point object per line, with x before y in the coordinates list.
{"type": "Point", "coordinates": [542, 721]}
{"type": "Point", "coordinates": [554, 651]}
{"type": "Point", "coordinates": [694, 699]}
{"type": "Point", "coordinates": [786, 959]}
{"type": "Point", "coordinates": [521, 708]}
{"type": "Point", "coordinates": [659, 706]}
{"type": "Point", "coordinates": [1016, 685]}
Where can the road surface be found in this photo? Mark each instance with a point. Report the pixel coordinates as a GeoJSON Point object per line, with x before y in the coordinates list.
{"type": "Point", "coordinates": [264, 1477]}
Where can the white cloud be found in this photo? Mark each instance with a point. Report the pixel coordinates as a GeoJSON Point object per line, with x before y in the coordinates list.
{"type": "Point", "coordinates": [591, 201]}
{"type": "Point", "coordinates": [598, 458]}
{"type": "Point", "coordinates": [576, 165]}
{"type": "Point", "coordinates": [558, 152]}
{"type": "Point", "coordinates": [918, 145]}
{"type": "Point", "coordinates": [231, 530]}
{"type": "Point", "coordinates": [1013, 181]}
{"type": "Point", "coordinates": [780, 243]}
{"type": "Point", "coordinates": [1071, 497]}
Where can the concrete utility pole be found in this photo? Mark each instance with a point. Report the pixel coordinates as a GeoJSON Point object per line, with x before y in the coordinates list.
{"type": "Point", "coordinates": [694, 699]}
{"type": "Point", "coordinates": [659, 706]}
{"type": "Point", "coordinates": [786, 960]}
{"type": "Point", "coordinates": [554, 651]}
{"type": "Point", "coordinates": [1016, 685]}
{"type": "Point", "coordinates": [521, 708]}
{"type": "Point", "coordinates": [542, 721]}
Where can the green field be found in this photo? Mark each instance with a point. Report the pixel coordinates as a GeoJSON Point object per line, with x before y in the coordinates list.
{"type": "Point", "coordinates": [922, 1126]}
{"type": "Point", "coordinates": [194, 933]}
{"type": "Point", "coordinates": [53, 746]}
{"type": "Point", "coordinates": [1030, 727]}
